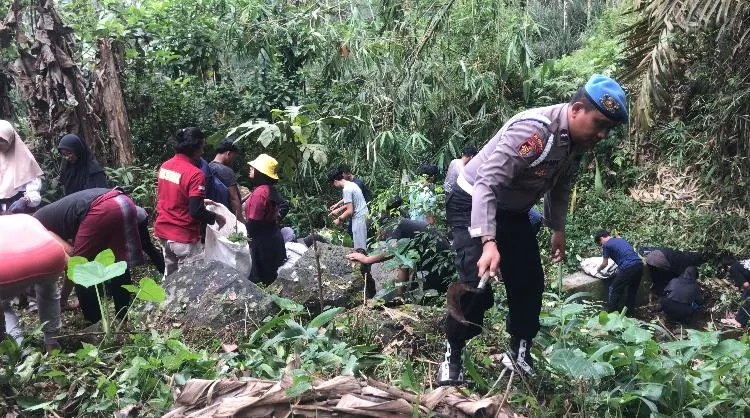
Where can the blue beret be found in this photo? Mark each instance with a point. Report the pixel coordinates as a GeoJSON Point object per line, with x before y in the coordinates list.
{"type": "Point", "coordinates": [608, 97]}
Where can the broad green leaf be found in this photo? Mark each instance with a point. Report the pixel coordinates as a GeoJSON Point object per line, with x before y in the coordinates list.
{"type": "Point", "coordinates": [325, 317]}
{"type": "Point", "coordinates": [577, 366]}
{"type": "Point", "coordinates": [300, 385]}
{"type": "Point", "coordinates": [106, 257]}
{"type": "Point", "coordinates": [268, 135]}
{"type": "Point", "coordinates": [26, 369]}
{"type": "Point", "coordinates": [88, 351]}
{"type": "Point", "coordinates": [30, 403]}
{"type": "Point", "coordinates": [150, 291]}
{"type": "Point", "coordinates": [635, 334]}
{"type": "Point", "coordinates": [266, 327]}
{"type": "Point", "coordinates": [604, 350]}
{"type": "Point", "coordinates": [287, 304]}
{"type": "Point", "coordinates": [130, 288]}
{"type": "Point", "coordinates": [730, 348]}
{"type": "Point", "coordinates": [93, 273]}
{"type": "Point", "coordinates": [351, 366]}
{"type": "Point", "coordinates": [73, 262]}
{"type": "Point", "coordinates": [136, 365]}
{"type": "Point", "coordinates": [408, 380]}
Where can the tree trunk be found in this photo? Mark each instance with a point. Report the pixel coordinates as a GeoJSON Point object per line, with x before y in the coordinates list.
{"type": "Point", "coordinates": [46, 75]}
{"type": "Point", "coordinates": [6, 105]}
{"type": "Point", "coordinates": [109, 104]}
{"type": "Point", "coordinates": [588, 13]}
{"type": "Point", "coordinates": [565, 16]}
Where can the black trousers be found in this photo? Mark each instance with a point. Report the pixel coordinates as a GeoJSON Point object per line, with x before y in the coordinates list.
{"type": "Point", "coordinates": [267, 251]}
{"type": "Point", "coordinates": [90, 304]}
{"type": "Point", "coordinates": [520, 266]}
{"type": "Point", "coordinates": [676, 311]}
{"type": "Point", "coordinates": [624, 288]}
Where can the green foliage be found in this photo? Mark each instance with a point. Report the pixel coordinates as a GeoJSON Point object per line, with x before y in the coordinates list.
{"type": "Point", "coordinates": [147, 290]}
{"type": "Point", "coordinates": [96, 381]}
{"type": "Point", "coordinates": [139, 182]}
{"type": "Point", "coordinates": [95, 272]}
{"type": "Point", "coordinates": [289, 138]}
{"type": "Point", "coordinates": [618, 366]}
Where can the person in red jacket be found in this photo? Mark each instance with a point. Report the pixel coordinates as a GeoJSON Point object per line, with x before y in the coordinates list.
{"type": "Point", "coordinates": [181, 191]}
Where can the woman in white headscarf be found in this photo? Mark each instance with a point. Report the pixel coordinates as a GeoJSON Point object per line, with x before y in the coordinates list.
{"type": "Point", "coordinates": [20, 175]}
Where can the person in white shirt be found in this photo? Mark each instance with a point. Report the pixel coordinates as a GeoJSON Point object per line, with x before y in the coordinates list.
{"type": "Point", "coordinates": [21, 177]}
{"type": "Point", "coordinates": [456, 166]}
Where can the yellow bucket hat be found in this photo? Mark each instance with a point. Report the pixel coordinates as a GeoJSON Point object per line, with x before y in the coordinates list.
{"type": "Point", "coordinates": [266, 165]}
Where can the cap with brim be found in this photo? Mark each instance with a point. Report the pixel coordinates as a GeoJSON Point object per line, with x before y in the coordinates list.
{"type": "Point", "coordinates": [608, 96]}
{"type": "Point", "coordinates": [266, 165]}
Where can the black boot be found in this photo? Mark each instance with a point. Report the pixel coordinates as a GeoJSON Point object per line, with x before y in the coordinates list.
{"type": "Point", "coordinates": [450, 372]}
{"type": "Point", "coordinates": [518, 358]}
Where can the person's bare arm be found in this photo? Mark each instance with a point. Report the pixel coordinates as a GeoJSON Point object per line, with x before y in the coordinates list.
{"type": "Point", "coordinates": [65, 244]}
{"type": "Point", "coordinates": [337, 204]}
{"type": "Point", "coordinates": [349, 210]}
{"type": "Point", "coordinates": [603, 265]}
{"type": "Point", "coordinates": [367, 259]}
{"type": "Point", "coordinates": [235, 203]}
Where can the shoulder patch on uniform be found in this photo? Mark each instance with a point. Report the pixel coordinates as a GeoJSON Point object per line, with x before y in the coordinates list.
{"type": "Point", "coordinates": [532, 147]}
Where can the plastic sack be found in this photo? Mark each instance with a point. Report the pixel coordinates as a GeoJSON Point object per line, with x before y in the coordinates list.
{"type": "Point", "coordinates": [589, 266]}
{"type": "Point", "coordinates": [219, 248]}
{"type": "Point", "coordinates": [294, 251]}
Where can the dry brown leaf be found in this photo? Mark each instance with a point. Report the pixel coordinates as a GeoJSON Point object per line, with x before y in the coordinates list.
{"type": "Point", "coordinates": [228, 348]}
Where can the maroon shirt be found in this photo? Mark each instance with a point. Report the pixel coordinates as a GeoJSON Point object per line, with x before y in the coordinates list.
{"type": "Point", "coordinates": [260, 207]}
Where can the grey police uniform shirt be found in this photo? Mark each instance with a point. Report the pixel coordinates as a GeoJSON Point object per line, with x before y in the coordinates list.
{"type": "Point", "coordinates": [530, 156]}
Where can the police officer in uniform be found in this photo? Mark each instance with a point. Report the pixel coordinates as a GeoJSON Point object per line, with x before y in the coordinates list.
{"type": "Point", "coordinates": [533, 155]}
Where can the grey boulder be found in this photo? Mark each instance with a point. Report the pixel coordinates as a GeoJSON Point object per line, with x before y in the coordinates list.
{"type": "Point", "coordinates": [211, 294]}
{"type": "Point", "coordinates": [343, 284]}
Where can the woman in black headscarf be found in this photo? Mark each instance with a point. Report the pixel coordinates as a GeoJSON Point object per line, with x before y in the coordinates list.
{"type": "Point", "coordinates": [80, 170]}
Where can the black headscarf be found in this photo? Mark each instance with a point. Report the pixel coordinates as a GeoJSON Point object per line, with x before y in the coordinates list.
{"type": "Point", "coordinates": [86, 173]}
{"type": "Point", "coordinates": [260, 179]}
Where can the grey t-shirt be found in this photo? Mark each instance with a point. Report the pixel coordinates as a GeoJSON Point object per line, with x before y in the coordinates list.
{"type": "Point", "coordinates": [224, 173]}
{"type": "Point", "coordinates": [451, 176]}
{"type": "Point", "coordinates": [353, 194]}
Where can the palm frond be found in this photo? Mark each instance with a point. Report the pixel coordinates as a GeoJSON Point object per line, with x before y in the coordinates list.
{"type": "Point", "coordinates": [655, 50]}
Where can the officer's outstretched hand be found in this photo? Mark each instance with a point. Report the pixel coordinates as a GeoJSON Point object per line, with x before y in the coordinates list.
{"type": "Point", "coordinates": [558, 246]}
{"type": "Point", "coordinates": [490, 259]}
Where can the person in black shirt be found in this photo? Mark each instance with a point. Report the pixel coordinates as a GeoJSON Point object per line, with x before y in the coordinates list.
{"type": "Point", "coordinates": [740, 276]}
{"type": "Point", "coordinates": [427, 241]}
{"type": "Point", "coordinates": [665, 264]}
{"type": "Point", "coordinates": [682, 296]}
{"type": "Point", "coordinates": [94, 220]}
{"type": "Point", "coordinates": [221, 168]}
{"type": "Point", "coordinates": [349, 176]}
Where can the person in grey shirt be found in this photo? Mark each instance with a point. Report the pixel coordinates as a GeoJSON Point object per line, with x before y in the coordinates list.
{"type": "Point", "coordinates": [456, 166]}
{"type": "Point", "coordinates": [534, 154]}
{"type": "Point", "coordinates": [352, 204]}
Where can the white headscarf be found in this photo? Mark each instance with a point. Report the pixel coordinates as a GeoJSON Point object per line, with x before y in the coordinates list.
{"type": "Point", "coordinates": [17, 166]}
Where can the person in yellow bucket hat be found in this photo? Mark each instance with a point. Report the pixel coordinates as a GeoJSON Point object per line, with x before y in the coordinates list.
{"type": "Point", "coordinates": [263, 217]}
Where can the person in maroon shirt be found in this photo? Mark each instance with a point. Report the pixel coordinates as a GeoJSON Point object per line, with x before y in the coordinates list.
{"type": "Point", "coordinates": [181, 191]}
{"type": "Point", "coordinates": [262, 213]}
